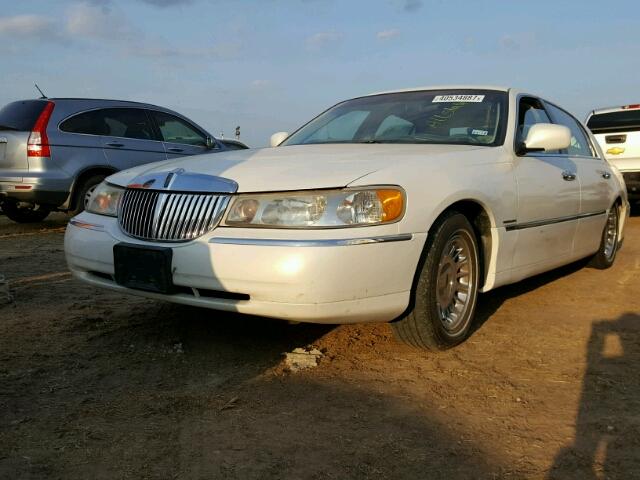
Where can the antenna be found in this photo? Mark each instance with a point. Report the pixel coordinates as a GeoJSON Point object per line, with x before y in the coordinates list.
{"type": "Point", "coordinates": [41, 92]}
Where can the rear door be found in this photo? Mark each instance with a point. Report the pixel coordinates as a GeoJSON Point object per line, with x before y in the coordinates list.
{"type": "Point", "coordinates": [129, 138]}
{"type": "Point", "coordinates": [181, 138]}
{"type": "Point", "coordinates": [596, 183]}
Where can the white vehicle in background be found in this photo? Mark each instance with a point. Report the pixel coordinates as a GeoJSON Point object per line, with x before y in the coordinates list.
{"type": "Point", "coordinates": [400, 207]}
{"type": "Point", "coordinates": [617, 130]}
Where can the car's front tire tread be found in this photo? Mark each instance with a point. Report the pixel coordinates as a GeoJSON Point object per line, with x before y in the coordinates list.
{"type": "Point", "coordinates": [420, 328]}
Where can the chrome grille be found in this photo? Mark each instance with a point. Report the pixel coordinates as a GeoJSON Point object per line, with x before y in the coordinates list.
{"type": "Point", "coordinates": [168, 216]}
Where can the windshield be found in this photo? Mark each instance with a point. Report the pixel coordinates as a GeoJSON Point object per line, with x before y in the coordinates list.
{"type": "Point", "coordinates": [466, 117]}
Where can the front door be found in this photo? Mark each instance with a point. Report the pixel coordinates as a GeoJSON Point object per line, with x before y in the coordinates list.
{"type": "Point", "coordinates": [180, 137]}
{"type": "Point", "coordinates": [548, 201]}
{"type": "Point", "coordinates": [130, 139]}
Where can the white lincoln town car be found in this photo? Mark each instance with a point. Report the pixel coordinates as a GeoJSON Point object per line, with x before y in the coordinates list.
{"type": "Point", "coordinates": [394, 207]}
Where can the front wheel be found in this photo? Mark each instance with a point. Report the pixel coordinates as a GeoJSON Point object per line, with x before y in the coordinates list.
{"type": "Point", "coordinates": [610, 241]}
{"type": "Point", "coordinates": [446, 290]}
{"type": "Point", "coordinates": [22, 212]}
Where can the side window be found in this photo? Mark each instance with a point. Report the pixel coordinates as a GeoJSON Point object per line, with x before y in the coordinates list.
{"type": "Point", "coordinates": [87, 123]}
{"type": "Point", "coordinates": [112, 122]}
{"type": "Point", "coordinates": [342, 128]}
{"type": "Point", "coordinates": [530, 112]}
{"type": "Point", "coordinates": [579, 141]}
{"type": "Point", "coordinates": [128, 123]}
{"type": "Point", "coordinates": [176, 130]}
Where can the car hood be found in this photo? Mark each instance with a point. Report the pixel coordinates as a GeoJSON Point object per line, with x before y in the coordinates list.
{"type": "Point", "coordinates": [298, 167]}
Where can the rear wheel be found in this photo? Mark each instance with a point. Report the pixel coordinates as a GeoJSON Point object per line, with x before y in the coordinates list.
{"type": "Point", "coordinates": [447, 287]}
{"type": "Point", "coordinates": [23, 212]}
{"type": "Point", "coordinates": [610, 241]}
{"type": "Point", "coordinates": [83, 193]}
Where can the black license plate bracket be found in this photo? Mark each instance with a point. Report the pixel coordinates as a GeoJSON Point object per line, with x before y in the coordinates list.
{"type": "Point", "coordinates": [143, 267]}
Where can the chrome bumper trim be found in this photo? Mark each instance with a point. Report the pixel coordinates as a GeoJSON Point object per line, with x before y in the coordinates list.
{"type": "Point", "coordinates": [89, 226]}
{"type": "Point", "coordinates": [338, 242]}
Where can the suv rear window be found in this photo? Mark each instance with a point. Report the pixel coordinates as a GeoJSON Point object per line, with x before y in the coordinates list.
{"type": "Point", "coordinates": [624, 121]}
{"type": "Point", "coordinates": [21, 115]}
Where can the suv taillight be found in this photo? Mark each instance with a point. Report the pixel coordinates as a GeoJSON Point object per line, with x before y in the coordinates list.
{"type": "Point", "coordinates": [38, 143]}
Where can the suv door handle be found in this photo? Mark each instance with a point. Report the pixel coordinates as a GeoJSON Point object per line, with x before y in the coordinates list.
{"type": "Point", "coordinates": [175, 149]}
{"type": "Point", "coordinates": [115, 144]}
{"type": "Point", "coordinates": [568, 176]}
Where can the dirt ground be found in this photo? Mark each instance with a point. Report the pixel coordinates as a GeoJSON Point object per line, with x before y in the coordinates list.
{"type": "Point", "coordinates": [97, 385]}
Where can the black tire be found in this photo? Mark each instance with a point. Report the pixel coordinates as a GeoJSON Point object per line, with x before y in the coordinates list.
{"type": "Point", "coordinates": [82, 191]}
{"type": "Point", "coordinates": [610, 241]}
{"type": "Point", "coordinates": [25, 213]}
{"type": "Point", "coordinates": [425, 325]}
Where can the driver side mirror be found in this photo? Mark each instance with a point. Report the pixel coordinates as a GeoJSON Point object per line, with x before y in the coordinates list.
{"type": "Point", "coordinates": [543, 137]}
{"type": "Point", "coordinates": [210, 143]}
{"type": "Point", "coordinates": [278, 138]}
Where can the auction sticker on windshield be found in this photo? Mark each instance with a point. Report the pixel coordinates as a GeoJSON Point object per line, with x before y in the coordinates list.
{"type": "Point", "coordinates": [458, 98]}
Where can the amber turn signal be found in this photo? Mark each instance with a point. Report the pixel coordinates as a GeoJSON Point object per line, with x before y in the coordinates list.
{"type": "Point", "coordinates": [392, 204]}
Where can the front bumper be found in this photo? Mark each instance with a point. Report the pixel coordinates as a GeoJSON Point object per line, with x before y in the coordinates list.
{"type": "Point", "coordinates": [320, 277]}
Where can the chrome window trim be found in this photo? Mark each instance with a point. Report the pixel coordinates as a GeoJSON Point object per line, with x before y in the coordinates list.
{"type": "Point", "coordinates": [334, 242]}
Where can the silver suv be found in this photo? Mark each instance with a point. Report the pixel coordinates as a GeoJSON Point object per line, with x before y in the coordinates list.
{"type": "Point", "coordinates": [53, 152]}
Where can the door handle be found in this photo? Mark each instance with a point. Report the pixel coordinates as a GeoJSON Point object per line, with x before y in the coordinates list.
{"type": "Point", "coordinates": [115, 144]}
{"type": "Point", "coordinates": [3, 140]}
{"type": "Point", "coordinates": [175, 149]}
{"type": "Point", "coordinates": [568, 176]}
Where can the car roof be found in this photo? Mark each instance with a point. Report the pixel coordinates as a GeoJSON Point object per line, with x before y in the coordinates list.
{"type": "Point", "coordinates": [106, 100]}
{"type": "Point", "coordinates": [444, 87]}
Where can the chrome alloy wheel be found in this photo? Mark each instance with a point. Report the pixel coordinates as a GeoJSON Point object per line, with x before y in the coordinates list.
{"type": "Point", "coordinates": [611, 234]}
{"type": "Point", "coordinates": [455, 282]}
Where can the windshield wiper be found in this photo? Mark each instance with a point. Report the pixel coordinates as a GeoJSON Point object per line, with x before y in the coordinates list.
{"type": "Point", "coordinates": [7, 127]}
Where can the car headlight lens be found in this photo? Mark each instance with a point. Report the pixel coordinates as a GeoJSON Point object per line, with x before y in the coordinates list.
{"type": "Point", "coordinates": [105, 200]}
{"type": "Point", "coordinates": [318, 209]}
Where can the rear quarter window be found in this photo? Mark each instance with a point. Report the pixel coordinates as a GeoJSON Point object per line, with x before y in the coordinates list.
{"type": "Point", "coordinates": [21, 115]}
{"type": "Point", "coordinates": [88, 123]}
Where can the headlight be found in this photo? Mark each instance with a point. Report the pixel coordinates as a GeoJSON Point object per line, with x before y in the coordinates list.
{"type": "Point", "coordinates": [318, 209]}
{"type": "Point", "coordinates": [105, 200]}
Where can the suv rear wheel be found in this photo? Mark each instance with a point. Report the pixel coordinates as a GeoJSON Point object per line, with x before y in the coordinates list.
{"type": "Point", "coordinates": [23, 212]}
{"type": "Point", "coordinates": [83, 193]}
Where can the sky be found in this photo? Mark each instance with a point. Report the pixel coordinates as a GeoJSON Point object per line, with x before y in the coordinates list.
{"type": "Point", "coordinates": [272, 65]}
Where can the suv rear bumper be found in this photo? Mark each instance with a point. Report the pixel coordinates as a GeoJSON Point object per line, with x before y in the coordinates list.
{"type": "Point", "coordinates": [27, 192]}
